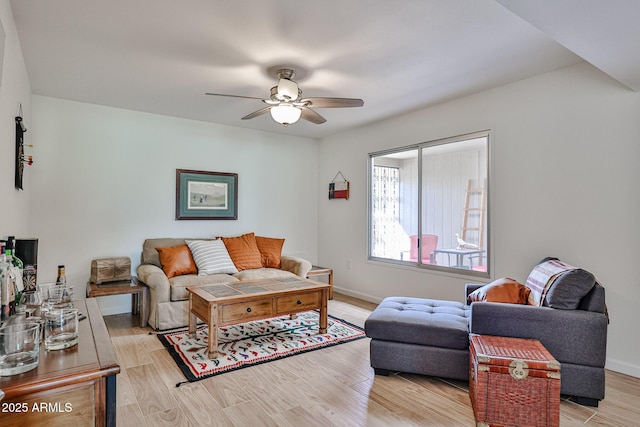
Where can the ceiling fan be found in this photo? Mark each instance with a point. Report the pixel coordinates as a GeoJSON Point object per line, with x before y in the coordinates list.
{"type": "Point", "coordinates": [287, 106]}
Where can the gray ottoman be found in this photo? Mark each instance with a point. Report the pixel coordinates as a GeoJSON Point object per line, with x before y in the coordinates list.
{"type": "Point", "coordinates": [421, 336]}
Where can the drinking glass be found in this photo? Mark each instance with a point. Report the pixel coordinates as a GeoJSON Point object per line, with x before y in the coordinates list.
{"type": "Point", "coordinates": [19, 348]}
{"type": "Point", "coordinates": [32, 302]}
{"type": "Point", "coordinates": [43, 290]}
{"type": "Point", "coordinates": [60, 297]}
{"type": "Point", "coordinates": [60, 329]}
{"type": "Point", "coordinates": [40, 321]}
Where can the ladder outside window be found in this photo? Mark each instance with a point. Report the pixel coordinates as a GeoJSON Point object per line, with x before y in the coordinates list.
{"type": "Point", "coordinates": [474, 215]}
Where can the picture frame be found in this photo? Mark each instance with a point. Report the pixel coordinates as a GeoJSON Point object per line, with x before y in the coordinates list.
{"type": "Point", "coordinates": [202, 195]}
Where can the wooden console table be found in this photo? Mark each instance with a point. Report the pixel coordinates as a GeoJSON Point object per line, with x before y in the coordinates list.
{"type": "Point", "coordinates": [71, 387]}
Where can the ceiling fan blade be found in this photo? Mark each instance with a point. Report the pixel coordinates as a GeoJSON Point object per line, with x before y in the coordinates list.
{"type": "Point", "coordinates": [312, 116]}
{"type": "Point", "coordinates": [332, 102]}
{"type": "Point", "coordinates": [257, 113]}
{"type": "Point", "coordinates": [233, 96]}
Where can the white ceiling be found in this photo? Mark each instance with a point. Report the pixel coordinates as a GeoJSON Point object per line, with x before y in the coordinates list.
{"type": "Point", "coordinates": [161, 56]}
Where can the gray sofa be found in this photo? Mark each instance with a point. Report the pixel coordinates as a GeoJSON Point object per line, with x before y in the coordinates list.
{"type": "Point", "coordinates": [169, 300]}
{"type": "Point", "coordinates": [430, 337]}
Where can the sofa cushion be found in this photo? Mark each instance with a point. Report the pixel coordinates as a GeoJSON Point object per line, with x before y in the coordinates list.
{"type": "Point", "coordinates": [542, 277]}
{"type": "Point", "coordinates": [150, 254]}
{"type": "Point", "coordinates": [211, 257]}
{"type": "Point", "coordinates": [179, 284]}
{"type": "Point", "coordinates": [176, 261]}
{"type": "Point", "coordinates": [270, 251]}
{"type": "Point", "coordinates": [568, 289]}
{"type": "Point", "coordinates": [243, 251]}
{"type": "Point", "coordinates": [504, 290]}
{"type": "Point", "coordinates": [420, 321]}
{"type": "Point", "coordinates": [556, 284]}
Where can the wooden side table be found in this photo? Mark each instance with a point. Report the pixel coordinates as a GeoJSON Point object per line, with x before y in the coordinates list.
{"type": "Point", "coordinates": [139, 295]}
{"type": "Point", "coordinates": [322, 271]}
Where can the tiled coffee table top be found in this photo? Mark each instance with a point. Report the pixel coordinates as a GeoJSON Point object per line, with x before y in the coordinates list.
{"type": "Point", "coordinates": [254, 287]}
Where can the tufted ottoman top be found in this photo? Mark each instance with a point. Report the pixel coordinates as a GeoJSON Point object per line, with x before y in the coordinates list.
{"type": "Point", "coordinates": [420, 321]}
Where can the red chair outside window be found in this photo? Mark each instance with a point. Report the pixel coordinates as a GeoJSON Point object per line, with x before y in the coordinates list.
{"type": "Point", "coordinates": [429, 244]}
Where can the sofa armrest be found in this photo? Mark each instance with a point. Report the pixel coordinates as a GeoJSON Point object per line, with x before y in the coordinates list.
{"type": "Point", "coordinates": [571, 336]}
{"type": "Point", "coordinates": [156, 280]}
{"type": "Point", "coordinates": [297, 266]}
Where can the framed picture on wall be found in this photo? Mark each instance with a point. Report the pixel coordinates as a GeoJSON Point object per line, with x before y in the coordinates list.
{"type": "Point", "coordinates": [206, 195]}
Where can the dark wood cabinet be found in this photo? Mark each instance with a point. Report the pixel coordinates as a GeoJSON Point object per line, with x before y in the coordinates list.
{"type": "Point", "coordinates": [71, 387]}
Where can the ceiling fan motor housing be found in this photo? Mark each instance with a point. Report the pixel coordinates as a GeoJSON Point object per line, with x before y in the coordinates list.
{"type": "Point", "coordinates": [287, 90]}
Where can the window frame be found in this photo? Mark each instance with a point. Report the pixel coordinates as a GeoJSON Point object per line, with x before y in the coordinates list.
{"type": "Point", "coordinates": [419, 147]}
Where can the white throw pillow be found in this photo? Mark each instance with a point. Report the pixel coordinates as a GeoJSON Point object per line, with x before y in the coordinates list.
{"type": "Point", "coordinates": [211, 257]}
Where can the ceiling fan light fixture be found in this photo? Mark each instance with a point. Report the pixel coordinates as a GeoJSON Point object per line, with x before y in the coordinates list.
{"type": "Point", "coordinates": [285, 114]}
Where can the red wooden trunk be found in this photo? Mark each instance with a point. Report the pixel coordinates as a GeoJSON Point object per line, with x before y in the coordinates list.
{"type": "Point", "coordinates": [513, 382]}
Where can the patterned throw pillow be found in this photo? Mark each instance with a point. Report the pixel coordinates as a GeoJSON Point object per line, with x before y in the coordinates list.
{"type": "Point", "coordinates": [176, 261]}
{"type": "Point", "coordinates": [243, 251]}
{"type": "Point", "coordinates": [211, 257]}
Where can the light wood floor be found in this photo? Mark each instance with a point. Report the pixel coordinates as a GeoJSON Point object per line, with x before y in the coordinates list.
{"type": "Point", "coordinates": [328, 387]}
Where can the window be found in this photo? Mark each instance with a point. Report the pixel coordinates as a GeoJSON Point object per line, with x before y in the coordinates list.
{"type": "Point", "coordinates": [428, 204]}
{"type": "Point", "coordinates": [386, 209]}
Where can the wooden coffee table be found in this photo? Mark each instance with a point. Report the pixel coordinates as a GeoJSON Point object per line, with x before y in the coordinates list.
{"type": "Point", "coordinates": [238, 302]}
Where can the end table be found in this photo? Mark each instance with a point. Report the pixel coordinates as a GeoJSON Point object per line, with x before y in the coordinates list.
{"type": "Point", "coordinates": [321, 271]}
{"type": "Point", "coordinates": [139, 295]}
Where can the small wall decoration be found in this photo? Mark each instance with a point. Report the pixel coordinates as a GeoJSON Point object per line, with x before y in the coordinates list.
{"type": "Point", "coordinates": [206, 195]}
{"type": "Point", "coordinates": [21, 159]}
{"type": "Point", "coordinates": [339, 189]}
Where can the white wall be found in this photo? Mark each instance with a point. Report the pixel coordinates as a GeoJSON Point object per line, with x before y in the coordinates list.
{"type": "Point", "coordinates": [14, 90]}
{"type": "Point", "coordinates": [105, 180]}
{"type": "Point", "coordinates": [565, 150]}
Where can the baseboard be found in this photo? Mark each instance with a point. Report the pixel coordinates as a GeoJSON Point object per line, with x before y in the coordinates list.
{"type": "Point", "coordinates": [623, 367]}
{"type": "Point", "coordinates": [108, 311]}
{"type": "Point", "coordinates": [358, 295]}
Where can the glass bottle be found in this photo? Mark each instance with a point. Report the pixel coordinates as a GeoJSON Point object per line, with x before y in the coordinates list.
{"type": "Point", "coordinates": [4, 287]}
{"type": "Point", "coordinates": [61, 280]}
{"type": "Point", "coordinates": [11, 253]}
{"type": "Point", "coordinates": [16, 286]}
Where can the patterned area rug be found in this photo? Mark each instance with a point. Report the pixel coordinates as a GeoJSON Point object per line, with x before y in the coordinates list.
{"type": "Point", "coordinates": [247, 344]}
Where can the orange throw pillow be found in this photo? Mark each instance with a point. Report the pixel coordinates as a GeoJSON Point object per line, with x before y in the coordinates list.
{"type": "Point", "coordinates": [177, 261]}
{"type": "Point", "coordinates": [502, 290]}
{"type": "Point", "coordinates": [243, 251]}
{"type": "Point", "coordinates": [270, 251]}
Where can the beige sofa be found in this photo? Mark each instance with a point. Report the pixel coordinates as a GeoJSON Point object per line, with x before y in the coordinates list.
{"type": "Point", "coordinates": [169, 300]}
